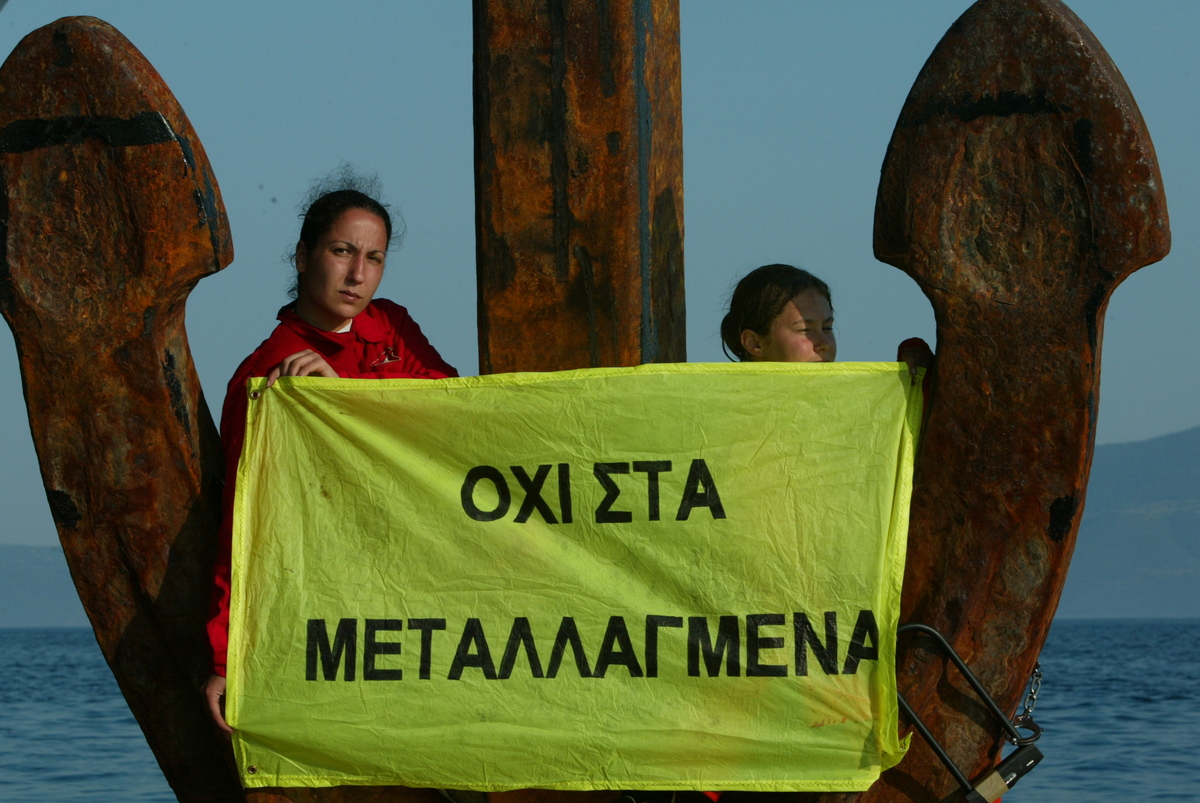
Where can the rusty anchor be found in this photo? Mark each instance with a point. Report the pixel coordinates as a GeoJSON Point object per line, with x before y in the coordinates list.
{"type": "Point", "coordinates": [111, 215]}
{"type": "Point", "coordinates": [1019, 189]}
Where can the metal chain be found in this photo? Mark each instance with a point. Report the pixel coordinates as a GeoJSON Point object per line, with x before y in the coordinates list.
{"type": "Point", "coordinates": [1035, 685]}
{"type": "Point", "coordinates": [1025, 718]}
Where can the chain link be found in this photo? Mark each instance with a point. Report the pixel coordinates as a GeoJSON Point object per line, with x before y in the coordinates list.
{"type": "Point", "coordinates": [1024, 720]}
{"type": "Point", "coordinates": [1035, 685]}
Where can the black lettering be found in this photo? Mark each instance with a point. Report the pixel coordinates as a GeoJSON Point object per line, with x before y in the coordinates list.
{"type": "Point", "coordinates": [426, 627]}
{"type": "Point", "coordinates": [605, 514]}
{"type": "Point", "coordinates": [806, 637]}
{"type": "Point", "coordinates": [345, 642]}
{"type": "Point", "coordinates": [617, 649]}
{"type": "Point", "coordinates": [728, 643]}
{"type": "Point", "coordinates": [564, 492]}
{"type": "Point", "coordinates": [652, 468]}
{"type": "Point", "coordinates": [755, 643]}
{"type": "Point", "coordinates": [653, 623]}
{"type": "Point", "coordinates": [371, 648]}
{"type": "Point", "coordinates": [858, 650]}
{"type": "Point", "coordinates": [467, 493]}
{"type": "Point", "coordinates": [533, 494]}
{"type": "Point", "coordinates": [520, 636]}
{"type": "Point", "coordinates": [481, 658]}
{"type": "Point", "coordinates": [700, 491]}
{"type": "Point", "coordinates": [568, 633]}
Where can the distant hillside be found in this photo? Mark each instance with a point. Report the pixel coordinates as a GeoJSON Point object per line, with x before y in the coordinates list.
{"type": "Point", "coordinates": [1138, 553]}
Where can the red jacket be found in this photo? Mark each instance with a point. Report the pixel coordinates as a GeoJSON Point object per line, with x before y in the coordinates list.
{"type": "Point", "coordinates": [383, 343]}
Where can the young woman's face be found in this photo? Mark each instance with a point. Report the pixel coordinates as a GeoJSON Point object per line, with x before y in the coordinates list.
{"type": "Point", "coordinates": [802, 332]}
{"type": "Point", "coordinates": [340, 274]}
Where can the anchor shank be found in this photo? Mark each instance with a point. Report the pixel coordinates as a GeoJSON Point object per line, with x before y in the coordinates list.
{"type": "Point", "coordinates": [578, 184]}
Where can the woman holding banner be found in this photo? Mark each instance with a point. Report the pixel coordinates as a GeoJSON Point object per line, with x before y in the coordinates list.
{"type": "Point", "coordinates": [334, 328]}
{"type": "Point", "coordinates": [779, 313]}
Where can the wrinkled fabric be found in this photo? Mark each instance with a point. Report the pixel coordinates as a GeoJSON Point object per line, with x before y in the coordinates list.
{"type": "Point", "coordinates": [383, 342]}
{"type": "Point", "coordinates": [662, 577]}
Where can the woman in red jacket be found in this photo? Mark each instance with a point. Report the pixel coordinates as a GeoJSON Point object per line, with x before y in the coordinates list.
{"type": "Point", "coordinates": [334, 328]}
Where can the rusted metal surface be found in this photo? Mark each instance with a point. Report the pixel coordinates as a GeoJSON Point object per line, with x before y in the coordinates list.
{"type": "Point", "coordinates": [111, 216]}
{"type": "Point", "coordinates": [1020, 187]}
{"type": "Point", "coordinates": [578, 183]}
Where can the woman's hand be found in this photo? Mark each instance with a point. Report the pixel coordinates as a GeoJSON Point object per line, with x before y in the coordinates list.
{"type": "Point", "coordinates": [915, 352]}
{"type": "Point", "coordinates": [302, 363]}
{"type": "Point", "coordinates": [214, 690]}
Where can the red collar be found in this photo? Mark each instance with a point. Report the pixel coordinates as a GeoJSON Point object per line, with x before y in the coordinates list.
{"type": "Point", "coordinates": [366, 327]}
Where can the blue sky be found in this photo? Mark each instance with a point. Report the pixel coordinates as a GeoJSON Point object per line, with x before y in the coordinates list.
{"type": "Point", "coordinates": [788, 107]}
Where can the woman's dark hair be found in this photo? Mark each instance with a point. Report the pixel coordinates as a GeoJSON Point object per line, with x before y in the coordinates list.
{"type": "Point", "coordinates": [329, 199]}
{"type": "Point", "coordinates": [758, 298]}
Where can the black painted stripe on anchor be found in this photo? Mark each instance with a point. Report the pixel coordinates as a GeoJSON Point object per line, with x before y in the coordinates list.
{"type": "Point", "coordinates": [144, 128]}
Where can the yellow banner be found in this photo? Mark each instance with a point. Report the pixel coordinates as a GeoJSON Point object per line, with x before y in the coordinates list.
{"type": "Point", "coordinates": [663, 577]}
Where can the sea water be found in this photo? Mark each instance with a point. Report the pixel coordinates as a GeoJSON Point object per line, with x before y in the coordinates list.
{"type": "Point", "coordinates": [1121, 707]}
{"type": "Point", "coordinates": [1120, 704]}
{"type": "Point", "coordinates": [65, 731]}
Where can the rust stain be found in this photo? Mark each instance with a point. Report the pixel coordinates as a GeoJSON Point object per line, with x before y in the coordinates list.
{"type": "Point", "coordinates": [579, 184]}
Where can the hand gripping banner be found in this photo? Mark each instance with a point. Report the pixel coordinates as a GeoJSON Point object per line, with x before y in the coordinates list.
{"type": "Point", "coordinates": [663, 577]}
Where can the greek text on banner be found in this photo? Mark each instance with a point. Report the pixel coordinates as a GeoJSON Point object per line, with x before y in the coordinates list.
{"type": "Point", "coordinates": [663, 577]}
